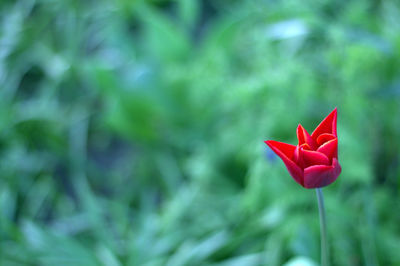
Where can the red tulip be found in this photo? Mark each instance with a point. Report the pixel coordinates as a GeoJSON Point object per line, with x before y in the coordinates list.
{"type": "Point", "coordinates": [313, 163]}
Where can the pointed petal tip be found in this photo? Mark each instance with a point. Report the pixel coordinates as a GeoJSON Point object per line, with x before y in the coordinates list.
{"type": "Point", "coordinates": [333, 113]}
{"type": "Point", "coordinates": [300, 127]}
{"type": "Point", "coordinates": [273, 144]}
{"type": "Point", "coordinates": [328, 125]}
{"type": "Point", "coordinates": [268, 142]}
{"type": "Point", "coordinates": [299, 130]}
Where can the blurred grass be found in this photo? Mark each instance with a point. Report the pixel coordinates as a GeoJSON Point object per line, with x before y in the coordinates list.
{"type": "Point", "coordinates": [131, 132]}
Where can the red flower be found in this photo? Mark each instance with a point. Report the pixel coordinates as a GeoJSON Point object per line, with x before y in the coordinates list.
{"type": "Point", "coordinates": [313, 163]}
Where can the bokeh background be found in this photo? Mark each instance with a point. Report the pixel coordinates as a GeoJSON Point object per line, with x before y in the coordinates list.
{"type": "Point", "coordinates": [131, 132]}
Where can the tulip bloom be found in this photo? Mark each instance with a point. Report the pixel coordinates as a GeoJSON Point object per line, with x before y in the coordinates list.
{"type": "Point", "coordinates": [313, 163]}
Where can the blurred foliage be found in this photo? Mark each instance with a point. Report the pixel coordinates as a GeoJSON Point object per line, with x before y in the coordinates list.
{"type": "Point", "coordinates": [131, 132]}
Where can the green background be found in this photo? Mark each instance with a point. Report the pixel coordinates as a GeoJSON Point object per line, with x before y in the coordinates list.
{"type": "Point", "coordinates": [131, 132]}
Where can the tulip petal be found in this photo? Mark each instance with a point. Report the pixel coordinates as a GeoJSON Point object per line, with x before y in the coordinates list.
{"type": "Point", "coordinates": [296, 156]}
{"type": "Point", "coordinates": [324, 138]}
{"type": "Point", "coordinates": [285, 148]}
{"type": "Point", "coordinates": [328, 125]}
{"type": "Point", "coordinates": [329, 148]}
{"type": "Point", "coordinates": [314, 158]}
{"type": "Point", "coordinates": [285, 152]}
{"type": "Point", "coordinates": [305, 146]}
{"type": "Point", "coordinates": [304, 137]}
{"type": "Point", "coordinates": [321, 175]}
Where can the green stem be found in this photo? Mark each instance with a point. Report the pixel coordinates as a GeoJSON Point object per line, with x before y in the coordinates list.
{"type": "Point", "coordinates": [322, 221]}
